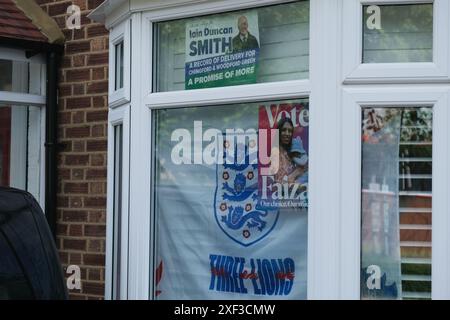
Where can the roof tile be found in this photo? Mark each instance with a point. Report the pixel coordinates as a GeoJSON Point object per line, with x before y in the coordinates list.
{"type": "Point", "coordinates": [15, 24]}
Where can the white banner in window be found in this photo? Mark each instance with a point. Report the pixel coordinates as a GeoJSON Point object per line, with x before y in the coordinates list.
{"type": "Point", "coordinates": [215, 238]}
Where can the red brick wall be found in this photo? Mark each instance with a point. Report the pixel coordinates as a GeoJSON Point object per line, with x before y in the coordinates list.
{"type": "Point", "coordinates": [82, 128]}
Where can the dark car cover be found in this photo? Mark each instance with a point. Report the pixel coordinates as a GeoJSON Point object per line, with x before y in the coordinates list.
{"type": "Point", "coordinates": [29, 262]}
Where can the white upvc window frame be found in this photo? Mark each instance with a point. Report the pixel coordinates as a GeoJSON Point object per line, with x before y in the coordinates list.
{"type": "Point", "coordinates": [335, 129]}
{"type": "Point", "coordinates": [37, 79]}
{"type": "Point", "coordinates": [213, 96]}
{"type": "Point", "coordinates": [355, 71]}
{"type": "Point", "coordinates": [37, 83]}
{"type": "Point", "coordinates": [395, 96]}
{"type": "Point", "coordinates": [142, 220]}
{"type": "Point", "coordinates": [116, 117]}
{"type": "Point", "coordinates": [120, 33]}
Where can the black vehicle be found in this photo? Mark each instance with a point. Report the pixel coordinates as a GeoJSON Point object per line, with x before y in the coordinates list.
{"type": "Point", "coordinates": [29, 263]}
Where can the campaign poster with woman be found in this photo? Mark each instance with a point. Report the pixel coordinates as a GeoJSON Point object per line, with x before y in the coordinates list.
{"type": "Point", "coordinates": [283, 155]}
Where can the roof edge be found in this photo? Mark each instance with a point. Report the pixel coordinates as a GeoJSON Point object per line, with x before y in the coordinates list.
{"type": "Point", "coordinates": [100, 13]}
{"type": "Point", "coordinates": [31, 45]}
{"type": "Point", "coordinates": [41, 20]}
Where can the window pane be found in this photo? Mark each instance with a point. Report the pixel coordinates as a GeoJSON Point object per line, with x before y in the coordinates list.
{"type": "Point", "coordinates": [396, 203]}
{"type": "Point", "coordinates": [210, 51]}
{"type": "Point", "coordinates": [117, 250]}
{"type": "Point", "coordinates": [5, 75]}
{"type": "Point", "coordinates": [21, 77]}
{"type": "Point", "coordinates": [231, 201]}
{"type": "Point", "coordinates": [119, 66]}
{"type": "Point", "coordinates": [14, 76]}
{"type": "Point", "coordinates": [405, 34]}
{"type": "Point", "coordinates": [20, 148]}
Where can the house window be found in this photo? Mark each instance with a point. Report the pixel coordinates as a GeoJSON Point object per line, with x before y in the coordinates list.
{"type": "Point", "coordinates": [119, 65]}
{"type": "Point", "coordinates": [400, 33]}
{"type": "Point", "coordinates": [117, 212]}
{"type": "Point", "coordinates": [231, 201]}
{"type": "Point", "coordinates": [396, 203]}
{"type": "Point", "coordinates": [243, 47]}
{"type": "Point", "coordinates": [14, 76]}
{"type": "Point", "coordinates": [22, 123]}
{"type": "Point", "coordinates": [116, 273]}
{"type": "Point", "coordinates": [190, 234]}
{"type": "Point", "coordinates": [229, 181]}
{"type": "Point", "coordinates": [20, 148]}
{"type": "Point", "coordinates": [21, 76]}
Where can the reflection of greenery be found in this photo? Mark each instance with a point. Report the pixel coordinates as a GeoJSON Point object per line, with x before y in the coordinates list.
{"type": "Point", "coordinates": [171, 46]}
{"type": "Point", "coordinates": [401, 28]}
{"type": "Point", "coordinates": [416, 286]}
{"type": "Point", "coordinates": [413, 151]}
{"type": "Point", "coordinates": [296, 12]}
{"type": "Point", "coordinates": [403, 18]}
{"type": "Point", "coordinates": [416, 269]}
{"type": "Point", "coordinates": [417, 125]}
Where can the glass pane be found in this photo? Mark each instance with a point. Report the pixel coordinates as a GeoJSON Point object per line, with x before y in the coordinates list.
{"type": "Point", "coordinates": [404, 33]}
{"type": "Point", "coordinates": [231, 201]}
{"type": "Point", "coordinates": [5, 75]}
{"type": "Point", "coordinates": [396, 203]}
{"type": "Point", "coordinates": [20, 148]}
{"type": "Point", "coordinates": [117, 252]}
{"type": "Point", "coordinates": [243, 47]}
{"type": "Point", "coordinates": [14, 76]}
{"type": "Point", "coordinates": [119, 66]}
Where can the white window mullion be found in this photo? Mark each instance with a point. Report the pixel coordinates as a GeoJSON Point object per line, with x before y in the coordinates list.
{"type": "Point", "coordinates": [325, 142]}
{"type": "Point", "coordinates": [140, 230]}
{"type": "Point", "coordinates": [226, 95]}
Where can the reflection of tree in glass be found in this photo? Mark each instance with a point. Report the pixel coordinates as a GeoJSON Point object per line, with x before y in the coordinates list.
{"type": "Point", "coordinates": [406, 34]}
{"type": "Point", "coordinates": [417, 125]}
